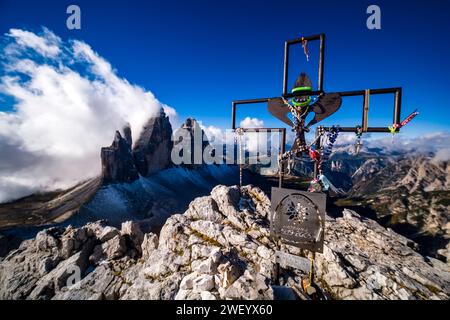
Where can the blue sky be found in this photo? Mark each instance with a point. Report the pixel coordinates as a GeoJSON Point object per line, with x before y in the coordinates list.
{"type": "Point", "coordinates": [198, 56]}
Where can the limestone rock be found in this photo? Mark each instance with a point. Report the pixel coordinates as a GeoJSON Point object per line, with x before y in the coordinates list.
{"type": "Point", "coordinates": [108, 233]}
{"type": "Point", "coordinates": [204, 208]}
{"type": "Point", "coordinates": [220, 248]}
{"type": "Point", "coordinates": [117, 161]}
{"type": "Point", "coordinates": [363, 260]}
{"type": "Point", "coordinates": [149, 244]}
{"type": "Point", "coordinates": [133, 232]}
{"type": "Point", "coordinates": [123, 162]}
{"type": "Point", "coordinates": [59, 277]}
{"type": "Point", "coordinates": [204, 282]}
{"type": "Point", "coordinates": [206, 295]}
{"type": "Point", "coordinates": [112, 249]}
{"type": "Point", "coordinates": [152, 150]}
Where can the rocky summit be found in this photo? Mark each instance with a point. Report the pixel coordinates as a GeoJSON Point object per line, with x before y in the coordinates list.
{"type": "Point", "coordinates": [220, 248]}
{"type": "Point", "coordinates": [123, 162]}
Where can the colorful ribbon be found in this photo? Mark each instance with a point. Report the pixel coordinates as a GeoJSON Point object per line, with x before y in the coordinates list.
{"type": "Point", "coordinates": [396, 126]}
{"type": "Point", "coordinates": [305, 48]}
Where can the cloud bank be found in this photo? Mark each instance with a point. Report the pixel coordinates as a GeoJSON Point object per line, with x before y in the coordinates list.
{"type": "Point", "coordinates": [68, 102]}
{"type": "Point", "coordinates": [436, 144]}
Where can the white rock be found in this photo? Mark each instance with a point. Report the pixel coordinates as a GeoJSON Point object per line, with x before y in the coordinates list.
{"type": "Point", "coordinates": [149, 244]}
{"type": "Point", "coordinates": [206, 295]}
{"type": "Point", "coordinates": [204, 208]}
{"type": "Point", "coordinates": [265, 252]}
{"type": "Point", "coordinates": [227, 199]}
{"type": "Point", "coordinates": [201, 251]}
{"type": "Point", "coordinates": [208, 266]}
{"type": "Point", "coordinates": [188, 281]}
{"type": "Point", "coordinates": [235, 237]}
{"type": "Point", "coordinates": [112, 249]}
{"type": "Point", "coordinates": [108, 233]}
{"type": "Point", "coordinates": [187, 295]}
{"type": "Point", "coordinates": [203, 282]}
{"type": "Point", "coordinates": [210, 230]}
{"type": "Point", "coordinates": [132, 229]}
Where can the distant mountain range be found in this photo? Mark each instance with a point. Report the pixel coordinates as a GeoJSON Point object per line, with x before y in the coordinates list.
{"type": "Point", "coordinates": [405, 191]}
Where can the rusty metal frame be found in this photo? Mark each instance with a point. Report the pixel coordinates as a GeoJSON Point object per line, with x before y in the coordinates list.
{"type": "Point", "coordinates": [287, 45]}
{"type": "Point", "coordinates": [282, 131]}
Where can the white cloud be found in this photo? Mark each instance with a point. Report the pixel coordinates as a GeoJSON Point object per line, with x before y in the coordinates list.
{"type": "Point", "coordinates": [255, 141]}
{"type": "Point", "coordinates": [433, 143]}
{"type": "Point", "coordinates": [46, 45]}
{"type": "Point", "coordinates": [430, 143]}
{"type": "Point", "coordinates": [69, 105]}
{"type": "Point", "coordinates": [215, 135]}
{"type": "Point", "coordinates": [251, 123]}
{"type": "Point", "coordinates": [442, 155]}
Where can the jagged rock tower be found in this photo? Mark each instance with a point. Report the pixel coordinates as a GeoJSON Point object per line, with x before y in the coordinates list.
{"type": "Point", "coordinates": [121, 162]}
{"type": "Point", "coordinates": [152, 150]}
{"type": "Point", "coordinates": [117, 160]}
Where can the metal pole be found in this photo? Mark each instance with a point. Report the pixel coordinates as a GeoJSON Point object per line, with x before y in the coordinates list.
{"type": "Point", "coordinates": [310, 38]}
{"type": "Point", "coordinates": [321, 61]}
{"type": "Point", "coordinates": [365, 114]}
{"type": "Point", "coordinates": [282, 150]}
{"type": "Point", "coordinates": [233, 115]}
{"type": "Point", "coordinates": [397, 105]}
{"type": "Point", "coordinates": [286, 69]}
{"type": "Point", "coordinates": [372, 91]}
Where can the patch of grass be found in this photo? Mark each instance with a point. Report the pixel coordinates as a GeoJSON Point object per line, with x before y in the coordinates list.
{"type": "Point", "coordinates": [206, 238]}
{"type": "Point", "coordinates": [179, 253]}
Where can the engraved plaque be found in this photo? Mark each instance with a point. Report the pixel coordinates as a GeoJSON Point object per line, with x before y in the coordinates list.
{"type": "Point", "coordinates": [289, 260]}
{"type": "Point", "coordinates": [298, 218]}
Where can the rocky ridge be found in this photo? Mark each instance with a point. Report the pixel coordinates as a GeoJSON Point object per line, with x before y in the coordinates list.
{"type": "Point", "coordinates": [220, 248]}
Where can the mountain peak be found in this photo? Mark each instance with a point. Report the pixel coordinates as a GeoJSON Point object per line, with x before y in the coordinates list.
{"type": "Point", "coordinates": [121, 163]}
{"type": "Point", "coordinates": [152, 150]}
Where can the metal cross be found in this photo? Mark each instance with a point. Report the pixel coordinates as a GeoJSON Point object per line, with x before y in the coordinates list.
{"type": "Point", "coordinates": [365, 94]}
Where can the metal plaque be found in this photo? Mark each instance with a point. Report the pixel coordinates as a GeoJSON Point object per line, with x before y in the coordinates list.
{"type": "Point", "coordinates": [298, 218]}
{"type": "Point", "coordinates": [289, 260]}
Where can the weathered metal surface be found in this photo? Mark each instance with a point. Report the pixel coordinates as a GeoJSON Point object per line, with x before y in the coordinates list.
{"type": "Point", "coordinates": [298, 218]}
{"type": "Point", "coordinates": [289, 260]}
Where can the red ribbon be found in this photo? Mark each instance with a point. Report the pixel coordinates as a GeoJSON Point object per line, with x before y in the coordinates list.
{"type": "Point", "coordinates": [407, 119]}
